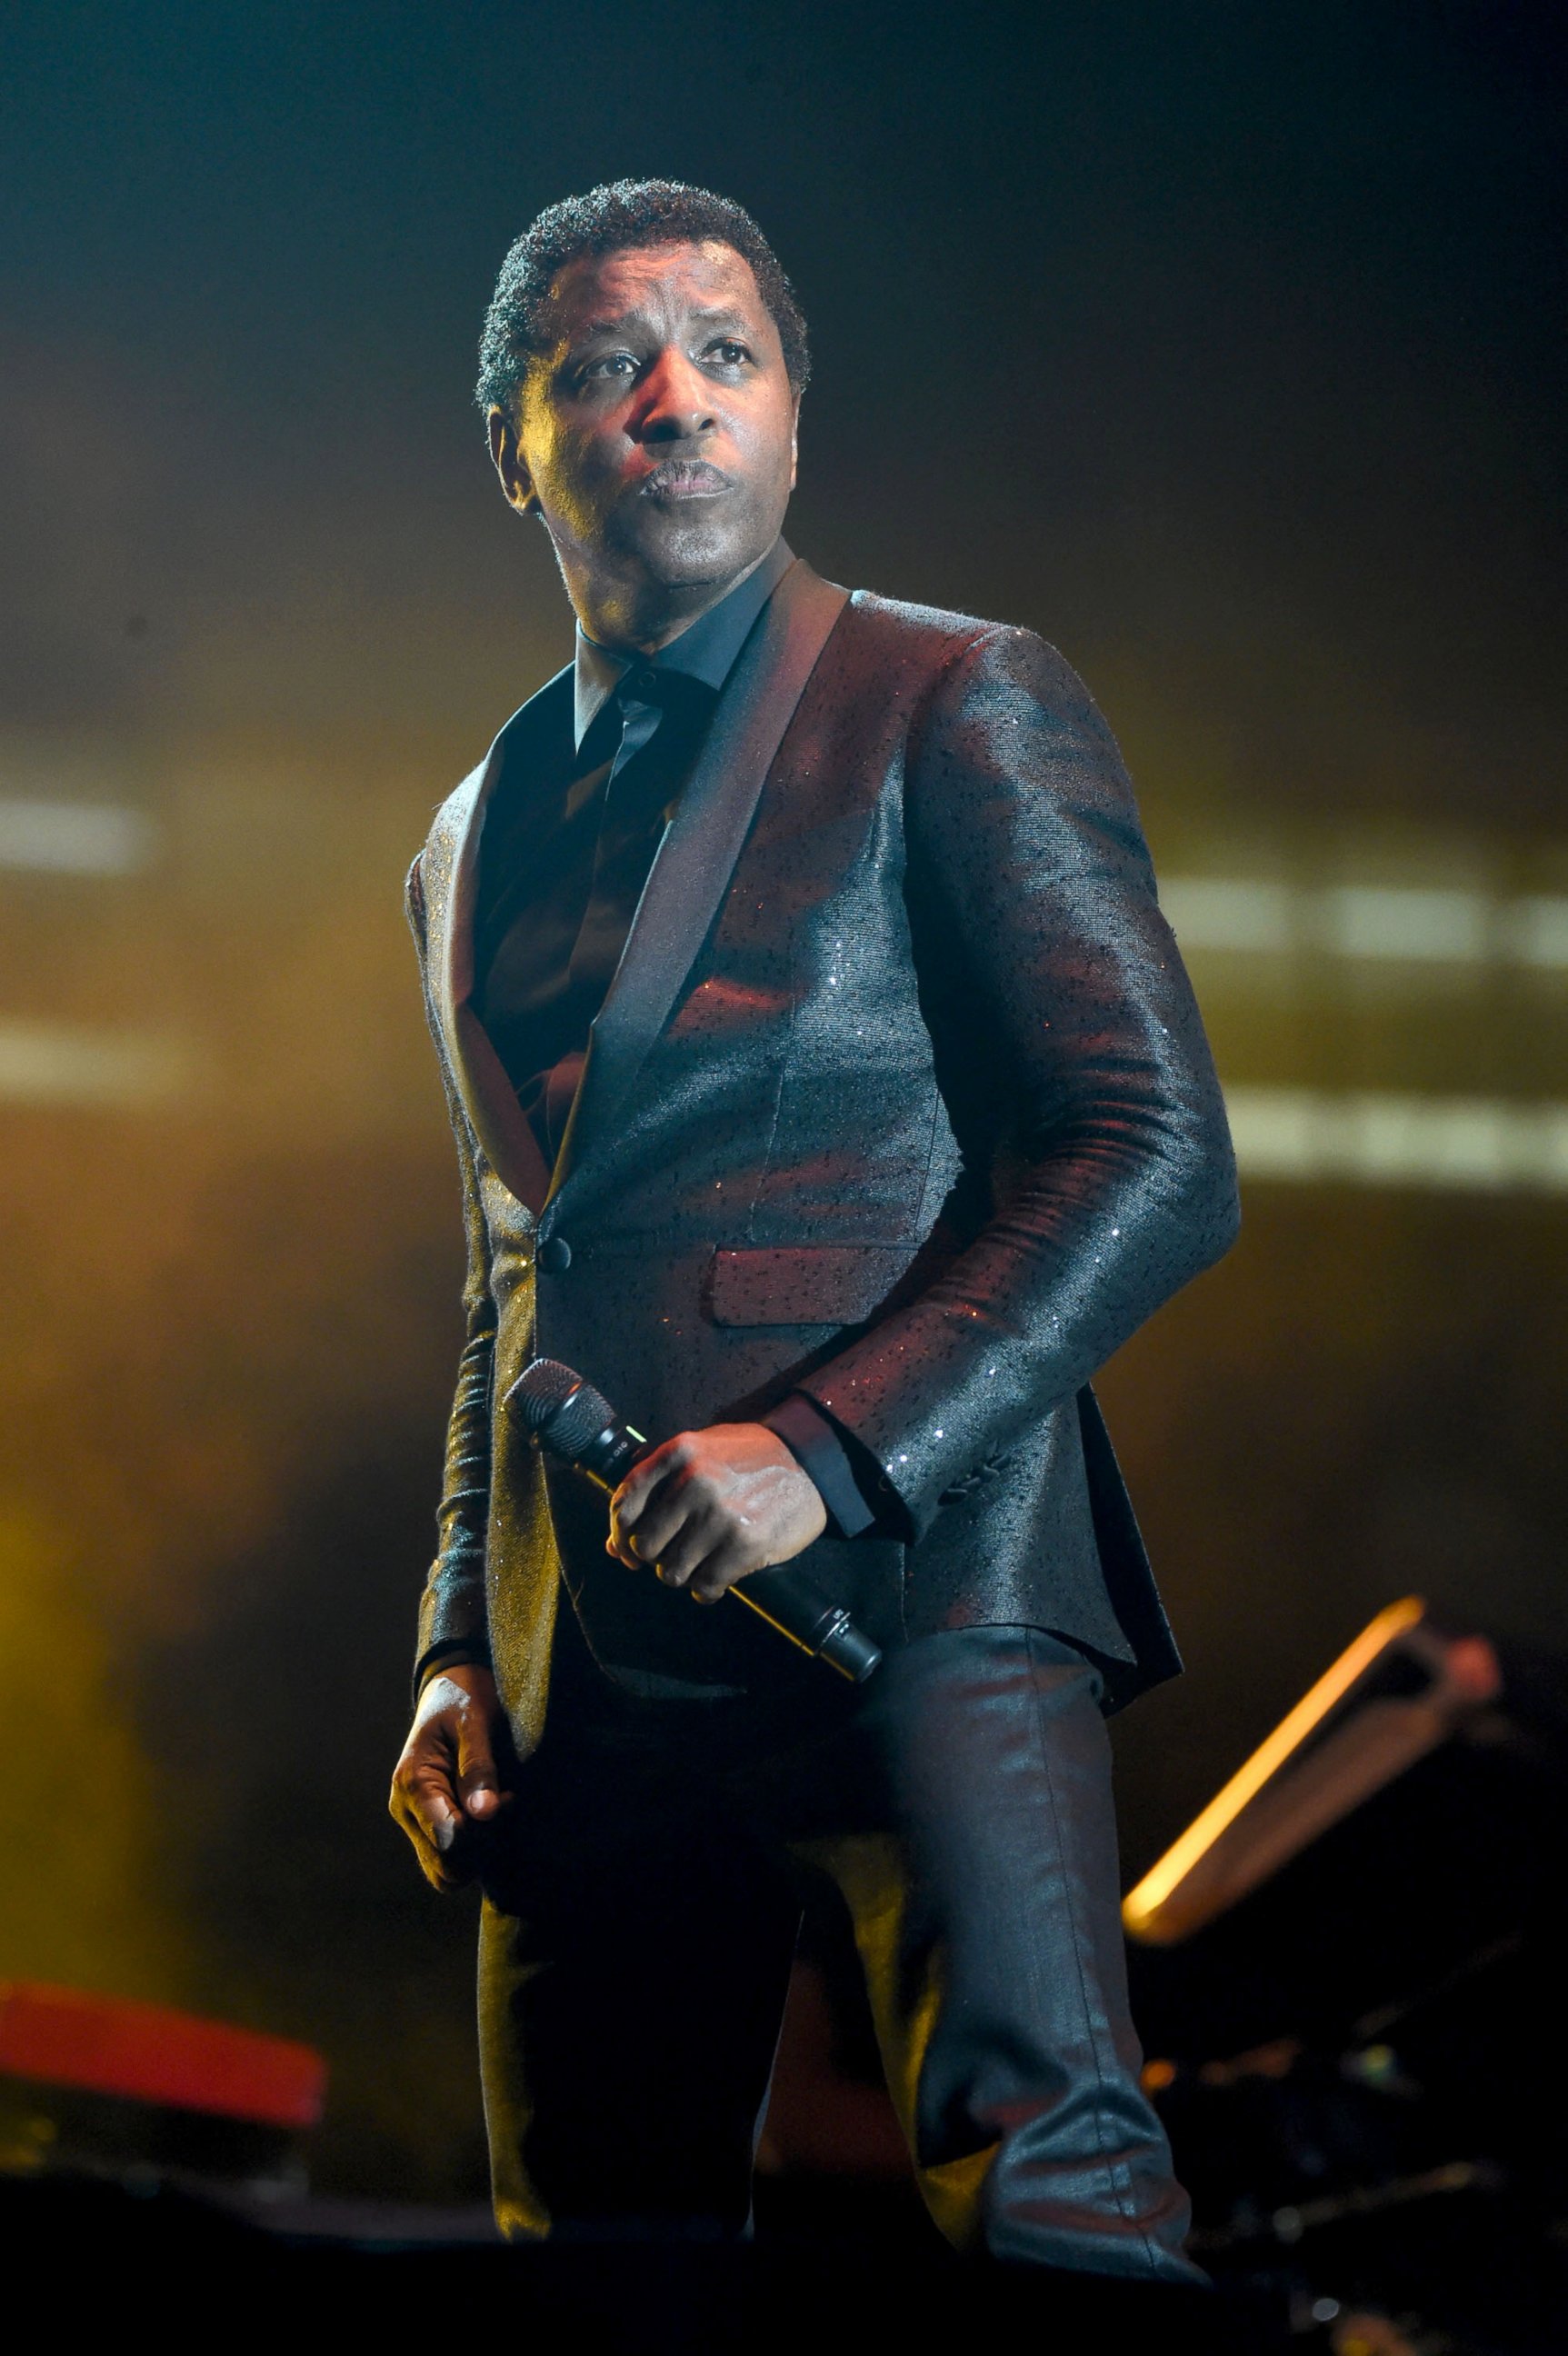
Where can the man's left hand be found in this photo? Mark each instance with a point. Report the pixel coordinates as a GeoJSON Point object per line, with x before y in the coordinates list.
{"type": "Point", "coordinates": [707, 1507]}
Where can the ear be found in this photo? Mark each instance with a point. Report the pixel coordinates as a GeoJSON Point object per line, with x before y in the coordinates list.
{"type": "Point", "coordinates": [795, 441]}
{"type": "Point", "coordinates": [506, 456]}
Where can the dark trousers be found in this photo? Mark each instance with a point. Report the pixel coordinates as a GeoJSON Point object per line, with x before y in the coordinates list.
{"type": "Point", "coordinates": [638, 1929]}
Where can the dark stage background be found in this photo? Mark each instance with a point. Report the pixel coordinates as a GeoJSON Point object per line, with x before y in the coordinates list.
{"type": "Point", "coordinates": [1221, 344]}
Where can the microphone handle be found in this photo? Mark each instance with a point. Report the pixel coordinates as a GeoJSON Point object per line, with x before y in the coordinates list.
{"type": "Point", "coordinates": [780, 1594]}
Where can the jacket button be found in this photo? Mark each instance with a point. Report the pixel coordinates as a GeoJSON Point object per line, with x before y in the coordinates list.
{"type": "Point", "coordinates": [554, 1254]}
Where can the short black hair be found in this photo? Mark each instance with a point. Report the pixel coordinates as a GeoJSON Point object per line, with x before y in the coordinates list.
{"type": "Point", "coordinates": [609, 219]}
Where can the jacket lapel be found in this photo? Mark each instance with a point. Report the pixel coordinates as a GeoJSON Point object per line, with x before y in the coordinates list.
{"type": "Point", "coordinates": [697, 857]}
{"type": "Point", "coordinates": [492, 1101]}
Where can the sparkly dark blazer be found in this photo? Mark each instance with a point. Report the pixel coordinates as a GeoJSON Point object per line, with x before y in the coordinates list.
{"type": "Point", "coordinates": [899, 1097]}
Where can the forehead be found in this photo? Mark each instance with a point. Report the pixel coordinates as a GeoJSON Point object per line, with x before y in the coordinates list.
{"type": "Point", "coordinates": [654, 281]}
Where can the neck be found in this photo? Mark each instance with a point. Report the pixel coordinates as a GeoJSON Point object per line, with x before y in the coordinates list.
{"type": "Point", "coordinates": [639, 617]}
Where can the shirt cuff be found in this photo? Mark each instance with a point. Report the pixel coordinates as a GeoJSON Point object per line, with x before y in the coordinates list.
{"type": "Point", "coordinates": [820, 1451]}
{"type": "Point", "coordinates": [455, 1653]}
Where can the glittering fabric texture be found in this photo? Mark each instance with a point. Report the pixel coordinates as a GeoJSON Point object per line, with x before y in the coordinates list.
{"type": "Point", "coordinates": [930, 1129]}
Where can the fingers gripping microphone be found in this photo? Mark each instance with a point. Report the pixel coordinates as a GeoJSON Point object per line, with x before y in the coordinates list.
{"type": "Point", "coordinates": [580, 1428]}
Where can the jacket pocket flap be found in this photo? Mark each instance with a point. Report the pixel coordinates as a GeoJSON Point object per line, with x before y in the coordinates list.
{"type": "Point", "coordinates": [803, 1284]}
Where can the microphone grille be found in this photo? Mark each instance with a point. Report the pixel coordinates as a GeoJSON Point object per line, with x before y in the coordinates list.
{"type": "Point", "coordinates": [542, 1390]}
{"type": "Point", "coordinates": [568, 1413]}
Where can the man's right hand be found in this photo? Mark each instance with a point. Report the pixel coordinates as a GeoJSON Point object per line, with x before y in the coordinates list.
{"type": "Point", "coordinates": [446, 1788]}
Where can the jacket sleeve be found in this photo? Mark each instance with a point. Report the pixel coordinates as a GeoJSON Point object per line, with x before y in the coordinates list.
{"type": "Point", "coordinates": [453, 1619]}
{"type": "Point", "coordinates": [1033, 909]}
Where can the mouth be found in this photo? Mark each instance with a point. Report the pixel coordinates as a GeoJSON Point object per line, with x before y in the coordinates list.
{"type": "Point", "coordinates": [683, 478]}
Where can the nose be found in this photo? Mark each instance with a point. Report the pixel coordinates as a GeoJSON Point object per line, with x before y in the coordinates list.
{"type": "Point", "coordinates": [676, 400]}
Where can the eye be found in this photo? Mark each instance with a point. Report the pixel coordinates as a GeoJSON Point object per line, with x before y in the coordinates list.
{"type": "Point", "coordinates": [728, 352]}
{"type": "Point", "coordinates": [612, 364]}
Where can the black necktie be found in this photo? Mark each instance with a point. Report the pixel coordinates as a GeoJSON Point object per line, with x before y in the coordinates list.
{"type": "Point", "coordinates": [630, 822]}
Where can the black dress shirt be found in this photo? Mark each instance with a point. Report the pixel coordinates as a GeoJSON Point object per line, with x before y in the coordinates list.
{"type": "Point", "coordinates": [562, 861]}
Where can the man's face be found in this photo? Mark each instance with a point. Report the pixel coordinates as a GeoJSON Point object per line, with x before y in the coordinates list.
{"type": "Point", "coordinates": [656, 436]}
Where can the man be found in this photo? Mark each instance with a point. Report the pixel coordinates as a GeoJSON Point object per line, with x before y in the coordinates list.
{"type": "Point", "coordinates": [828, 1090]}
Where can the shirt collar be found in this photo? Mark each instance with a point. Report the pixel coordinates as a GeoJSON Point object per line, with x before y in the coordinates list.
{"type": "Point", "coordinates": [705, 651]}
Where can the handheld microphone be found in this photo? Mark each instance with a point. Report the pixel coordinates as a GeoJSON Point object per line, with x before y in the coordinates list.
{"type": "Point", "coordinates": [580, 1428]}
